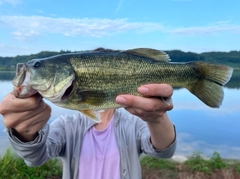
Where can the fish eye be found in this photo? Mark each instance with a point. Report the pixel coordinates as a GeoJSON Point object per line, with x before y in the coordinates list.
{"type": "Point", "coordinates": [36, 64]}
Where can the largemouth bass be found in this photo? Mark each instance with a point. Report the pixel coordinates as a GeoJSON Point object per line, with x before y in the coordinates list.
{"type": "Point", "coordinates": [90, 81]}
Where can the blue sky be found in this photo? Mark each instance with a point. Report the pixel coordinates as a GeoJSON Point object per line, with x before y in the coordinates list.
{"type": "Point", "coordinates": [31, 26]}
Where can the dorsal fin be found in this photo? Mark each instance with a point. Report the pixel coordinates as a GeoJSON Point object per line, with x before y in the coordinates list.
{"type": "Point", "coordinates": [101, 49]}
{"type": "Point", "coordinates": [157, 55]}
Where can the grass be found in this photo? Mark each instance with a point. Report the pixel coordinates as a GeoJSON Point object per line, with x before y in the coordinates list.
{"type": "Point", "coordinates": [196, 167]}
{"type": "Point", "coordinates": [197, 164]}
{"type": "Point", "coordinates": [13, 167]}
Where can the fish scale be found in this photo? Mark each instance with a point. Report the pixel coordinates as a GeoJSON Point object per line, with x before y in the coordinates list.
{"type": "Point", "coordinates": [91, 81]}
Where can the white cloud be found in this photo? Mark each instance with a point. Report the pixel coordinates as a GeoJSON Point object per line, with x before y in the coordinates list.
{"type": "Point", "coordinates": [217, 28]}
{"type": "Point", "coordinates": [119, 5]}
{"type": "Point", "coordinates": [25, 35]}
{"type": "Point", "coordinates": [28, 26]}
{"type": "Point", "coordinates": [12, 2]}
{"type": "Point", "coordinates": [40, 11]}
{"type": "Point", "coordinates": [187, 145]}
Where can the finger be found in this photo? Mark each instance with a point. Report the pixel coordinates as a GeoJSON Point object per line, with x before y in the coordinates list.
{"type": "Point", "coordinates": [14, 119]}
{"type": "Point", "coordinates": [37, 127]}
{"type": "Point", "coordinates": [30, 135]}
{"type": "Point", "coordinates": [12, 104]}
{"type": "Point", "coordinates": [34, 124]}
{"type": "Point", "coordinates": [163, 90]}
{"type": "Point", "coordinates": [27, 103]}
{"type": "Point", "coordinates": [146, 104]}
{"type": "Point", "coordinates": [144, 114]}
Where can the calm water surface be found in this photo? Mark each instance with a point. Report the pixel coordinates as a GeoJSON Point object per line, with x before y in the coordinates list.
{"type": "Point", "coordinates": [199, 128]}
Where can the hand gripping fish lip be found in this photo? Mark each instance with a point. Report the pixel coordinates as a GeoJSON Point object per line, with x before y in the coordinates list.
{"type": "Point", "coordinates": [20, 82]}
{"type": "Point", "coordinates": [20, 74]}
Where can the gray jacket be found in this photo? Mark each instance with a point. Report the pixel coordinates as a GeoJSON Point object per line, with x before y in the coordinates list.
{"type": "Point", "coordinates": [64, 137]}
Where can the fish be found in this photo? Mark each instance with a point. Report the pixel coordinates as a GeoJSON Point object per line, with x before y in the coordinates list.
{"type": "Point", "coordinates": [90, 81]}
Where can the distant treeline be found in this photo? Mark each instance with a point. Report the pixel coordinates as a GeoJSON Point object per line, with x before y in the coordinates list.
{"type": "Point", "coordinates": [231, 58]}
{"type": "Point", "coordinates": [10, 62]}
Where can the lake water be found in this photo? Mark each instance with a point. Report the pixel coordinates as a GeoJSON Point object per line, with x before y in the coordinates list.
{"type": "Point", "coordinates": [199, 128]}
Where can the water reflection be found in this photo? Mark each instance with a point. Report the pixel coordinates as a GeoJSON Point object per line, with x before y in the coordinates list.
{"type": "Point", "coordinates": [199, 127]}
{"type": "Point", "coordinates": [9, 75]}
{"type": "Point", "coordinates": [205, 129]}
{"type": "Point", "coordinates": [235, 80]}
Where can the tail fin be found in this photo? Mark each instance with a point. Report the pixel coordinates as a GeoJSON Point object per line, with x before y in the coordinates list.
{"type": "Point", "coordinates": [209, 87]}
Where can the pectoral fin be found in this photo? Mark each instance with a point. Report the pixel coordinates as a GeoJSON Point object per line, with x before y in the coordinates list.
{"type": "Point", "coordinates": [94, 115]}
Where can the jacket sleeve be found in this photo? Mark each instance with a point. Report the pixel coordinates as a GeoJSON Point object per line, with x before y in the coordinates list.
{"type": "Point", "coordinates": [144, 138]}
{"type": "Point", "coordinates": [49, 143]}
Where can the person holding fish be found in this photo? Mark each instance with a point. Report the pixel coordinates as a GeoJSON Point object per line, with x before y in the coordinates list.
{"type": "Point", "coordinates": [103, 141]}
{"type": "Point", "coordinates": [121, 137]}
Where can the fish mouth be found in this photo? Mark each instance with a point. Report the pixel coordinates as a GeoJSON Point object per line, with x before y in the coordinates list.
{"type": "Point", "coordinates": [68, 91]}
{"type": "Point", "coordinates": [20, 74]}
{"type": "Point", "coordinates": [20, 82]}
{"type": "Point", "coordinates": [24, 91]}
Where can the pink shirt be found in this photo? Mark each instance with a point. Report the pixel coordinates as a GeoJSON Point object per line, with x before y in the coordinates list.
{"type": "Point", "coordinates": [100, 158]}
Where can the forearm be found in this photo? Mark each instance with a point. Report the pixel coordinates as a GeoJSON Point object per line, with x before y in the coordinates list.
{"type": "Point", "coordinates": [44, 147]}
{"type": "Point", "coordinates": [33, 152]}
{"type": "Point", "coordinates": [162, 132]}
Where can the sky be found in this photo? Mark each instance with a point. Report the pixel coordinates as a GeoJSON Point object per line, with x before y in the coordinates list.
{"type": "Point", "coordinates": [31, 26]}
